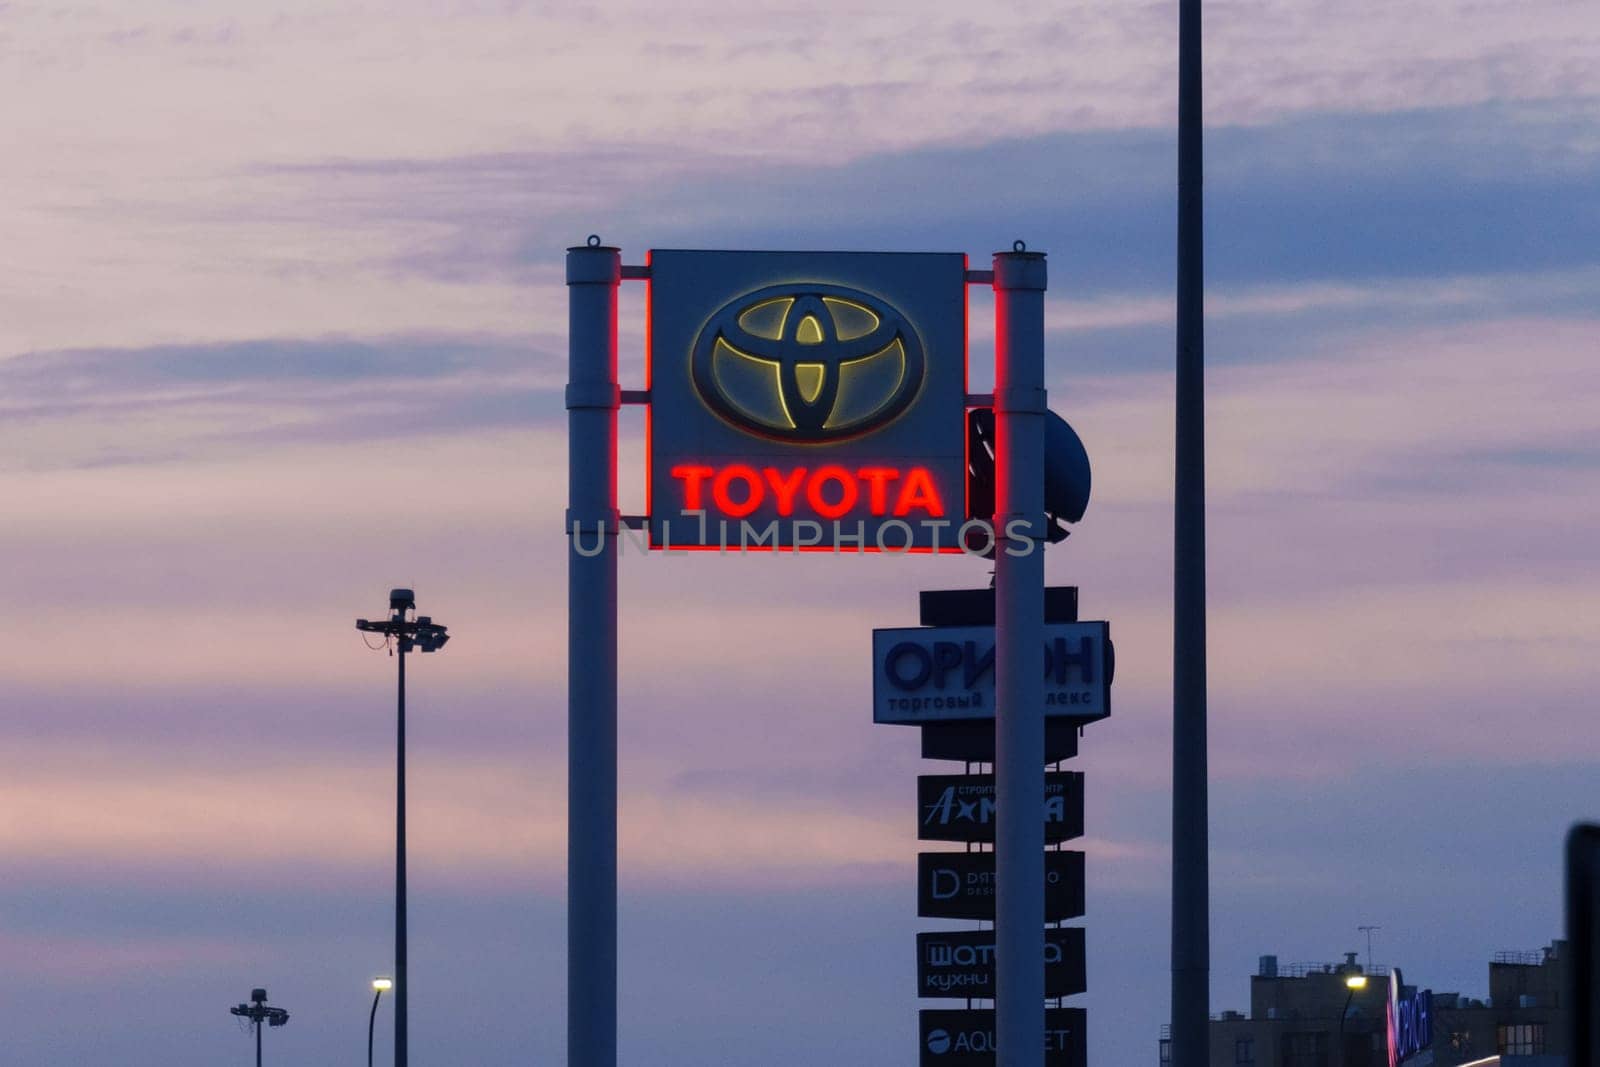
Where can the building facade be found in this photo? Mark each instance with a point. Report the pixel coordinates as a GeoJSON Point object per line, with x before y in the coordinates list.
{"type": "Point", "coordinates": [1321, 1015]}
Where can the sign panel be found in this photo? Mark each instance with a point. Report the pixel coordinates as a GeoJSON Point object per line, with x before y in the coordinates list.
{"type": "Point", "coordinates": [960, 807]}
{"type": "Point", "coordinates": [965, 1037]}
{"type": "Point", "coordinates": [807, 400]}
{"type": "Point", "coordinates": [942, 673]}
{"type": "Point", "coordinates": [960, 885]}
{"type": "Point", "coordinates": [1410, 1021]}
{"type": "Point", "coordinates": [960, 963]}
{"type": "Point", "coordinates": [972, 740]}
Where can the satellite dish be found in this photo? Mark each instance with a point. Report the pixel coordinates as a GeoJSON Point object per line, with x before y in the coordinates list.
{"type": "Point", "coordinates": [1066, 471]}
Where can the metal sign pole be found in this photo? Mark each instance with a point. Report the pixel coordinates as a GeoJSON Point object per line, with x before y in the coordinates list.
{"type": "Point", "coordinates": [1191, 879]}
{"type": "Point", "coordinates": [402, 1026]}
{"type": "Point", "coordinates": [594, 272]}
{"type": "Point", "coordinates": [1019, 406]}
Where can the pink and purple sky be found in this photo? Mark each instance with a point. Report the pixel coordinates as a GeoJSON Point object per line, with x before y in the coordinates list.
{"type": "Point", "coordinates": [282, 324]}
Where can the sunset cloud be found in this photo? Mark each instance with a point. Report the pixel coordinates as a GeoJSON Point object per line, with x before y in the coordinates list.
{"type": "Point", "coordinates": [283, 323]}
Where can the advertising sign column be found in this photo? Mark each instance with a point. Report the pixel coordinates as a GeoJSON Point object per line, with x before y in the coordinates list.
{"type": "Point", "coordinates": [818, 401]}
{"type": "Point", "coordinates": [939, 677]}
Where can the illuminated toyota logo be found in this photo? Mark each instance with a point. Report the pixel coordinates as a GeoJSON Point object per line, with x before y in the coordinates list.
{"type": "Point", "coordinates": [808, 363]}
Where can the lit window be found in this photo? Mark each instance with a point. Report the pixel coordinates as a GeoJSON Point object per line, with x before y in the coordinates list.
{"type": "Point", "coordinates": [1522, 1039]}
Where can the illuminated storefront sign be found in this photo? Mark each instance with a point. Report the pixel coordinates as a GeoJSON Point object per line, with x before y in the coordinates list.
{"type": "Point", "coordinates": [938, 673]}
{"type": "Point", "coordinates": [807, 400]}
{"type": "Point", "coordinates": [827, 492]}
{"type": "Point", "coordinates": [1410, 1020]}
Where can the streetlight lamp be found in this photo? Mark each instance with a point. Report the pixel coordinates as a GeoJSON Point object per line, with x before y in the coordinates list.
{"type": "Point", "coordinates": [378, 986]}
{"type": "Point", "coordinates": [1352, 982]}
{"type": "Point", "coordinates": [420, 634]}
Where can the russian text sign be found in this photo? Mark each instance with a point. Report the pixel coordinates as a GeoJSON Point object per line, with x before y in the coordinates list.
{"type": "Point", "coordinates": [807, 400]}
{"type": "Point", "coordinates": [960, 807]}
{"type": "Point", "coordinates": [960, 885]}
{"type": "Point", "coordinates": [965, 1037]}
{"type": "Point", "coordinates": [926, 674]}
{"type": "Point", "coordinates": [960, 963]}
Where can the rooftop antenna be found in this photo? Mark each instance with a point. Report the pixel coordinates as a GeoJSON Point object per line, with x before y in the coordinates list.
{"type": "Point", "coordinates": [1368, 931]}
{"type": "Point", "coordinates": [258, 1012]}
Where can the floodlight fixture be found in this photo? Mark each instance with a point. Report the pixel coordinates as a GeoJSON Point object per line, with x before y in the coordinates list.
{"type": "Point", "coordinates": [419, 634]}
{"type": "Point", "coordinates": [258, 1011]}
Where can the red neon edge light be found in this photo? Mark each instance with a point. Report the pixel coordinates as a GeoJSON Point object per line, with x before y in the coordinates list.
{"type": "Point", "coordinates": [966, 442]}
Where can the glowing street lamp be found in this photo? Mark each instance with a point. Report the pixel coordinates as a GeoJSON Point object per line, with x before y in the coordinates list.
{"type": "Point", "coordinates": [379, 987]}
{"type": "Point", "coordinates": [1352, 982]}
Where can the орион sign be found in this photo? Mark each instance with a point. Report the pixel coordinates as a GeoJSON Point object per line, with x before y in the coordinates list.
{"type": "Point", "coordinates": [938, 673]}
{"type": "Point", "coordinates": [807, 400]}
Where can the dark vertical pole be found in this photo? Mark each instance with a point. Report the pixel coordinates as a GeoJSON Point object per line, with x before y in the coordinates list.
{"type": "Point", "coordinates": [372, 1021]}
{"type": "Point", "coordinates": [259, 1024]}
{"type": "Point", "coordinates": [1344, 1013]}
{"type": "Point", "coordinates": [593, 274]}
{"type": "Point", "coordinates": [400, 983]}
{"type": "Point", "coordinates": [1019, 410]}
{"type": "Point", "coordinates": [1191, 933]}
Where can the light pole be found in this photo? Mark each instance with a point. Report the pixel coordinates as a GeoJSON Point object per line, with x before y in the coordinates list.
{"type": "Point", "coordinates": [423, 635]}
{"type": "Point", "coordinates": [1352, 982]}
{"type": "Point", "coordinates": [378, 986]}
{"type": "Point", "coordinates": [1191, 858]}
{"type": "Point", "coordinates": [258, 1012]}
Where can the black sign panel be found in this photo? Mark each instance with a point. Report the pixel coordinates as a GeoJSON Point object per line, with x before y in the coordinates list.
{"type": "Point", "coordinates": [960, 963]}
{"type": "Point", "coordinates": [975, 607]}
{"type": "Point", "coordinates": [973, 742]}
{"type": "Point", "coordinates": [960, 885]}
{"type": "Point", "coordinates": [960, 807]}
{"type": "Point", "coordinates": [965, 1038]}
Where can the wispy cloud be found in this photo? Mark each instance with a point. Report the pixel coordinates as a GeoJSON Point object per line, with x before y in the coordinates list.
{"type": "Point", "coordinates": [284, 326]}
